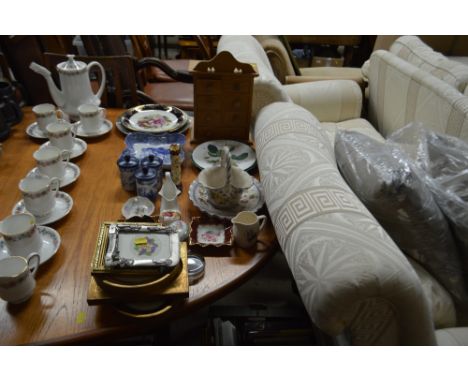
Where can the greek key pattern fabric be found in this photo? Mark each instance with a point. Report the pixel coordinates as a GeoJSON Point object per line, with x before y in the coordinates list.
{"type": "Point", "coordinates": [312, 203]}
{"type": "Point", "coordinates": [337, 252]}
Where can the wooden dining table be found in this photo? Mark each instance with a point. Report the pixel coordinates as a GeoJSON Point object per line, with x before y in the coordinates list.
{"type": "Point", "coordinates": [58, 312]}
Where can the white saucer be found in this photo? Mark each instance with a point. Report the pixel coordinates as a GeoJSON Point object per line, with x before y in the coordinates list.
{"type": "Point", "coordinates": [72, 172]}
{"type": "Point", "coordinates": [50, 244]}
{"type": "Point", "coordinates": [63, 205]}
{"type": "Point", "coordinates": [33, 130]}
{"type": "Point", "coordinates": [103, 129]}
{"type": "Point", "coordinates": [79, 147]}
{"type": "Point", "coordinates": [137, 206]}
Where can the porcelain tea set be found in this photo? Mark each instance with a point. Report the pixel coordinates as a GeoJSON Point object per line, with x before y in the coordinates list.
{"type": "Point", "coordinates": [25, 241]}
{"type": "Point", "coordinates": [76, 101]}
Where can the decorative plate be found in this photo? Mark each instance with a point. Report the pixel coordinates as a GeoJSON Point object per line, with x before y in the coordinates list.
{"type": "Point", "coordinates": [50, 244]}
{"type": "Point", "coordinates": [251, 200]}
{"type": "Point", "coordinates": [141, 144]}
{"type": "Point", "coordinates": [79, 147]}
{"type": "Point", "coordinates": [129, 119]}
{"type": "Point", "coordinates": [152, 121]}
{"type": "Point", "coordinates": [105, 127]}
{"type": "Point", "coordinates": [210, 231]}
{"type": "Point", "coordinates": [126, 131]}
{"type": "Point", "coordinates": [33, 130]}
{"type": "Point", "coordinates": [62, 207]}
{"type": "Point", "coordinates": [208, 154]}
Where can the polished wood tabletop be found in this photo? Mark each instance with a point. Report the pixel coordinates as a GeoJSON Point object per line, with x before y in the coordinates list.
{"type": "Point", "coordinates": [58, 313]}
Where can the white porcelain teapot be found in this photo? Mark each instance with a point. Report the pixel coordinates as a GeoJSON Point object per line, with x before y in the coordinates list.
{"type": "Point", "coordinates": [75, 84]}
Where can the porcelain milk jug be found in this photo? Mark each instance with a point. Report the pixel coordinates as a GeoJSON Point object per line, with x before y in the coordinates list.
{"type": "Point", "coordinates": [246, 226]}
{"type": "Point", "coordinates": [75, 85]}
{"type": "Point", "coordinates": [17, 277]}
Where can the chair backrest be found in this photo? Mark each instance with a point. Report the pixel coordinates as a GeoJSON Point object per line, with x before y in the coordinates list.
{"type": "Point", "coordinates": [104, 45]}
{"type": "Point", "coordinates": [400, 93]}
{"type": "Point", "coordinates": [206, 47]}
{"type": "Point", "coordinates": [121, 84]}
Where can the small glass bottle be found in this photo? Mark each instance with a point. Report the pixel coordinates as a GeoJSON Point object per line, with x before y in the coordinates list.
{"type": "Point", "coordinates": [176, 165]}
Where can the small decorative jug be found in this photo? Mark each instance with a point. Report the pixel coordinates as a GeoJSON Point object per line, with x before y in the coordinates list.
{"type": "Point", "coordinates": [246, 226]}
{"type": "Point", "coordinates": [17, 277]}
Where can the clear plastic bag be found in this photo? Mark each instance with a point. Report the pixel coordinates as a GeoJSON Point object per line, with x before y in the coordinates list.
{"type": "Point", "coordinates": [393, 188]}
{"type": "Point", "coordinates": [444, 161]}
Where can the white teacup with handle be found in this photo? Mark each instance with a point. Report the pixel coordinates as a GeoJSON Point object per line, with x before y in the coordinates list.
{"type": "Point", "coordinates": [17, 281]}
{"type": "Point", "coordinates": [39, 194]}
{"type": "Point", "coordinates": [61, 134]}
{"type": "Point", "coordinates": [51, 161]}
{"type": "Point", "coordinates": [46, 113]}
{"type": "Point", "coordinates": [20, 234]}
{"type": "Point", "coordinates": [91, 117]}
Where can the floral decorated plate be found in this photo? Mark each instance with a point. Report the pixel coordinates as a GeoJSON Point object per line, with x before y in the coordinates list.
{"type": "Point", "coordinates": [210, 231]}
{"type": "Point", "coordinates": [208, 154]}
{"type": "Point", "coordinates": [152, 121]}
{"type": "Point", "coordinates": [251, 200]}
{"type": "Point", "coordinates": [153, 118]}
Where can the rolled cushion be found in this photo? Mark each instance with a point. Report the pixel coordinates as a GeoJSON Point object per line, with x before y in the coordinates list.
{"type": "Point", "coordinates": [389, 184]}
{"type": "Point", "coordinates": [350, 274]}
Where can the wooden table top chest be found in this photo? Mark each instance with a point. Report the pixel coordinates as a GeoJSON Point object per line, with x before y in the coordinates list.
{"type": "Point", "coordinates": [223, 90]}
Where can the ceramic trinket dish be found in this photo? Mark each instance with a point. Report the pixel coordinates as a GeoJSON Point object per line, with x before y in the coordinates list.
{"type": "Point", "coordinates": [210, 231]}
{"type": "Point", "coordinates": [137, 206]}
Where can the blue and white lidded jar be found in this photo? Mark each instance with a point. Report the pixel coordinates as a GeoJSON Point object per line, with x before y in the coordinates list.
{"type": "Point", "coordinates": [156, 163]}
{"type": "Point", "coordinates": [146, 183]}
{"type": "Point", "coordinates": [128, 165]}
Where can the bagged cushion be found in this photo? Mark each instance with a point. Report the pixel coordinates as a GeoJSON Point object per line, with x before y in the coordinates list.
{"type": "Point", "coordinates": [389, 184]}
{"type": "Point", "coordinates": [444, 161]}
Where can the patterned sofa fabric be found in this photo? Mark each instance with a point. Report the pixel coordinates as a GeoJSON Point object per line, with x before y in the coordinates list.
{"type": "Point", "coordinates": [416, 52]}
{"type": "Point", "coordinates": [351, 276]}
{"type": "Point", "coordinates": [400, 93]}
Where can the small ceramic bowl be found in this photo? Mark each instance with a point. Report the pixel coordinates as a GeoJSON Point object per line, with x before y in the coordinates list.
{"type": "Point", "coordinates": [210, 232]}
{"type": "Point", "coordinates": [137, 206]}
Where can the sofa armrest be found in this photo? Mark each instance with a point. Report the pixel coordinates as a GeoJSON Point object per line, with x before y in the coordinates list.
{"type": "Point", "coordinates": [329, 101]}
{"type": "Point", "coordinates": [351, 276]}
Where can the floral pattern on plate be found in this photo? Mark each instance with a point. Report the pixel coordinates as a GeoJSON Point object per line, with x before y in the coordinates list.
{"type": "Point", "coordinates": [210, 231]}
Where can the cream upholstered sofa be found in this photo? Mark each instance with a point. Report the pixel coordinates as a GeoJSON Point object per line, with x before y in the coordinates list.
{"type": "Point", "coordinates": [354, 281]}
